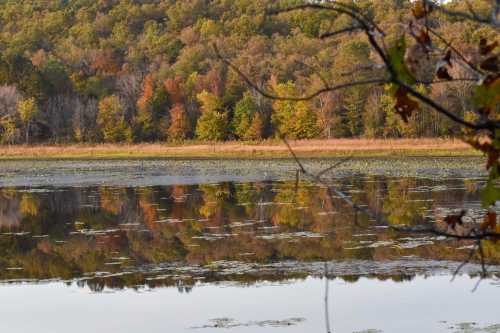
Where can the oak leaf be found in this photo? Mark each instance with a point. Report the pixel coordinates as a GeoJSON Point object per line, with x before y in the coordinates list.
{"type": "Point", "coordinates": [405, 106]}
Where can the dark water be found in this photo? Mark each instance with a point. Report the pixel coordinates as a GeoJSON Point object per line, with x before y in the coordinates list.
{"type": "Point", "coordinates": [249, 256]}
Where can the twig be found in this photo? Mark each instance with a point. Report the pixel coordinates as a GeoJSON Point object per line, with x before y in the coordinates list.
{"type": "Point", "coordinates": [458, 53]}
{"type": "Point", "coordinates": [484, 272]}
{"type": "Point", "coordinates": [462, 265]}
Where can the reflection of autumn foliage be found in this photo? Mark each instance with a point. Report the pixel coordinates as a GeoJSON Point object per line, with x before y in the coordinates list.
{"type": "Point", "coordinates": [148, 208]}
{"type": "Point", "coordinates": [10, 212]}
{"type": "Point", "coordinates": [106, 229]}
{"type": "Point", "coordinates": [400, 206]}
{"type": "Point", "coordinates": [217, 200]}
{"type": "Point", "coordinates": [291, 203]}
{"type": "Point", "coordinates": [109, 201]}
{"type": "Point", "coordinates": [29, 204]}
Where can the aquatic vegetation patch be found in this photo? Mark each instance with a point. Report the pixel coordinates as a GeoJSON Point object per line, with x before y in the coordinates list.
{"type": "Point", "coordinates": [471, 327]}
{"type": "Point", "coordinates": [231, 323]}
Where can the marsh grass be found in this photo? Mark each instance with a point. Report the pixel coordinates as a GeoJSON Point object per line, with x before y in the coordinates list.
{"type": "Point", "coordinates": [236, 149]}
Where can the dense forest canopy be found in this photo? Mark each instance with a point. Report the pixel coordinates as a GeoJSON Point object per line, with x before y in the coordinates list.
{"type": "Point", "coordinates": [145, 70]}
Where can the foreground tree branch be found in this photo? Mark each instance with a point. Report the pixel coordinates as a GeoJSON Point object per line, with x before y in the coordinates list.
{"type": "Point", "coordinates": [482, 133]}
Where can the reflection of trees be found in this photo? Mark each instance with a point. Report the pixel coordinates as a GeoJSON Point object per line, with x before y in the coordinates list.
{"type": "Point", "coordinates": [10, 212]}
{"type": "Point", "coordinates": [89, 230]}
{"type": "Point", "coordinates": [400, 206]}
{"type": "Point", "coordinates": [29, 204]}
{"type": "Point", "coordinates": [291, 204]}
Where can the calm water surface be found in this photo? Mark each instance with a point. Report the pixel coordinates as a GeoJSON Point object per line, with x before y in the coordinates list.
{"type": "Point", "coordinates": [142, 248]}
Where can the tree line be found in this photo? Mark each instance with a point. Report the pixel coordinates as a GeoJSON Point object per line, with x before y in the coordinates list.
{"type": "Point", "coordinates": [146, 71]}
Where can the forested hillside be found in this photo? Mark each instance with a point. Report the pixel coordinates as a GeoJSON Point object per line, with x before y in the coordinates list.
{"type": "Point", "coordinates": [145, 70]}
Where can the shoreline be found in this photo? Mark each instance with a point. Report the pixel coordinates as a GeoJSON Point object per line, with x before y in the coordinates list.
{"type": "Point", "coordinates": [270, 149]}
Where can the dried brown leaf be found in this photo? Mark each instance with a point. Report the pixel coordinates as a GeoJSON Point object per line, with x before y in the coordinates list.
{"type": "Point", "coordinates": [490, 221]}
{"type": "Point", "coordinates": [405, 106]}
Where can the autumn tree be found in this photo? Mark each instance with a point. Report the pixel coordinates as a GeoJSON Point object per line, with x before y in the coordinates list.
{"type": "Point", "coordinates": [294, 119]}
{"type": "Point", "coordinates": [180, 121]}
{"type": "Point", "coordinates": [85, 52]}
{"type": "Point", "coordinates": [28, 111]}
{"type": "Point", "coordinates": [180, 124]}
{"type": "Point", "coordinates": [9, 99]}
{"type": "Point", "coordinates": [213, 123]}
{"type": "Point", "coordinates": [151, 119]}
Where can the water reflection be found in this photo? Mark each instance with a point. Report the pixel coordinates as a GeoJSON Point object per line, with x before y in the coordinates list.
{"type": "Point", "coordinates": [120, 237]}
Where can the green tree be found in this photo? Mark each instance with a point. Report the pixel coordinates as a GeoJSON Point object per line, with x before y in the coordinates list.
{"type": "Point", "coordinates": [111, 120]}
{"type": "Point", "coordinates": [247, 121]}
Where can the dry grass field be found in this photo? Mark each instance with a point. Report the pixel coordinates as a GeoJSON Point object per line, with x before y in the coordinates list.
{"type": "Point", "coordinates": [234, 149]}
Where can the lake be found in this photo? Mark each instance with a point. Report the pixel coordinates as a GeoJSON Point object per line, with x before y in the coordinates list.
{"type": "Point", "coordinates": [240, 246]}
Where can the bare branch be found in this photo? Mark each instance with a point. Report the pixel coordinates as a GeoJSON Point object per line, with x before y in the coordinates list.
{"type": "Point", "coordinates": [325, 82]}
{"type": "Point", "coordinates": [363, 68]}
{"type": "Point", "coordinates": [464, 79]}
{"type": "Point", "coordinates": [465, 262]}
{"type": "Point", "coordinates": [458, 53]}
{"type": "Point", "coordinates": [471, 16]}
{"type": "Point", "coordinates": [486, 125]}
{"type": "Point", "coordinates": [431, 229]}
{"type": "Point", "coordinates": [339, 32]}
{"type": "Point", "coordinates": [484, 272]}
{"type": "Point", "coordinates": [481, 252]}
{"type": "Point", "coordinates": [292, 98]}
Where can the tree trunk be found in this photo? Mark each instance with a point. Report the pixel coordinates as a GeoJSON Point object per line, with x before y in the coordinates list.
{"type": "Point", "coordinates": [27, 133]}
